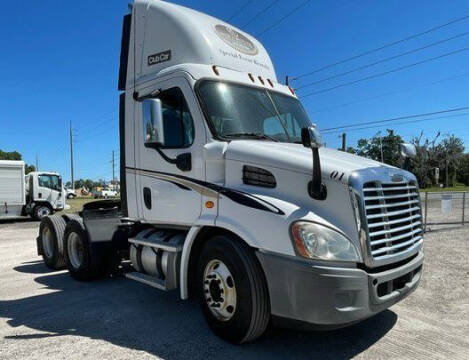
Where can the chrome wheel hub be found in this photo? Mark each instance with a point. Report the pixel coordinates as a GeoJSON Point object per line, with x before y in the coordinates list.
{"type": "Point", "coordinates": [75, 250]}
{"type": "Point", "coordinates": [47, 243]}
{"type": "Point", "coordinates": [219, 290]}
{"type": "Point", "coordinates": [43, 212]}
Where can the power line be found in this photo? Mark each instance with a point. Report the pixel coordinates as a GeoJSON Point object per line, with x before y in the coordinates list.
{"type": "Point", "coordinates": [395, 124]}
{"type": "Point", "coordinates": [260, 13]}
{"type": "Point", "coordinates": [387, 94]}
{"type": "Point", "coordinates": [386, 72]}
{"type": "Point", "coordinates": [268, 28]}
{"type": "Point", "coordinates": [240, 9]}
{"type": "Point", "coordinates": [397, 118]}
{"type": "Point", "coordinates": [104, 116]}
{"type": "Point", "coordinates": [382, 60]}
{"type": "Point", "coordinates": [382, 47]}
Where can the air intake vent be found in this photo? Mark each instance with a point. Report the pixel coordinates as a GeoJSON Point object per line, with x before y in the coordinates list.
{"type": "Point", "coordinates": [258, 177]}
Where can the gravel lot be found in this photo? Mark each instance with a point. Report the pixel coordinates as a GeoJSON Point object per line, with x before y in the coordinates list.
{"type": "Point", "coordinates": [46, 314]}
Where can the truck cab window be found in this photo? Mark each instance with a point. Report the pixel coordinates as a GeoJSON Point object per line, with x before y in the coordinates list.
{"type": "Point", "coordinates": [235, 110]}
{"type": "Point", "coordinates": [49, 181]}
{"type": "Point", "coordinates": [178, 124]}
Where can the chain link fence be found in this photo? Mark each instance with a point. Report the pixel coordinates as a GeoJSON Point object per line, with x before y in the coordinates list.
{"type": "Point", "coordinates": [445, 208]}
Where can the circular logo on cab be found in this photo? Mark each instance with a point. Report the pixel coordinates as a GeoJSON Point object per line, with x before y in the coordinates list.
{"type": "Point", "coordinates": [236, 40]}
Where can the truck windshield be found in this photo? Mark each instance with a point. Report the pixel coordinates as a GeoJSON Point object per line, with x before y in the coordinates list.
{"type": "Point", "coordinates": [238, 111]}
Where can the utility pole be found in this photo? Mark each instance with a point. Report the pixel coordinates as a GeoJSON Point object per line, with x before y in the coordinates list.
{"type": "Point", "coordinates": [71, 156]}
{"type": "Point", "coordinates": [113, 166]}
{"type": "Point", "coordinates": [344, 142]}
{"type": "Point", "coordinates": [37, 163]}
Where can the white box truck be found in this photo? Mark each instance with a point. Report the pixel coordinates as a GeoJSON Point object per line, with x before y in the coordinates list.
{"type": "Point", "coordinates": [12, 189]}
{"type": "Point", "coordinates": [37, 194]}
{"type": "Point", "coordinates": [227, 194]}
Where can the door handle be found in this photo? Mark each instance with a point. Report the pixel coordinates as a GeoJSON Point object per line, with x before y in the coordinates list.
{"type": "Point", "coordinates": [147, 197]}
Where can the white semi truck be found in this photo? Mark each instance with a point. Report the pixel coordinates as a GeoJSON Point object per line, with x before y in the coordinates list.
{"type": "Point", "coordinates": [37, 194]}
{"type": "Point", "coordinates": [228, 196]}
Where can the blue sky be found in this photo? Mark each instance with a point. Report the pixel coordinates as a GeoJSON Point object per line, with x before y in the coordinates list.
{"type": "Point", "coordinates": [60, 62]}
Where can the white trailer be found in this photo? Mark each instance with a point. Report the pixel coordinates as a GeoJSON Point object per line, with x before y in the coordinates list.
{"type": "Point", "coordinates": [37, 194]}
{"type": "Point", "coordinates": [12, 189]}
{"type": "Point", "coordinates": [227, 194]}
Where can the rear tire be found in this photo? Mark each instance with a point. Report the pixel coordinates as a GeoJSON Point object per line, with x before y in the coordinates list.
{"type": "Point", "coordinates": [51, 232]}
{"type": "Point", "coordinates": [232, 290]}
{"type": "Point", "coordinates": [82, 262]}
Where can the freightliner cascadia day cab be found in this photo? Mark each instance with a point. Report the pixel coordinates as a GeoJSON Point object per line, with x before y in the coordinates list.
{"type": "Point", "coordinates": [227, 195]}
{"type": "Point", "coordinates": [39, 194]}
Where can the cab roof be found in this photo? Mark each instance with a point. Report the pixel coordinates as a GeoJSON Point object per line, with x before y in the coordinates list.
{"type": "Point", "coordinates": [162, 35]}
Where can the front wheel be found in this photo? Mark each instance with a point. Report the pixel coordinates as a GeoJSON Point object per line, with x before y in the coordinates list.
{"type": "Point", "coordinates": [232, 290]}
{"type": "Point", "coordinates": [40, 211]}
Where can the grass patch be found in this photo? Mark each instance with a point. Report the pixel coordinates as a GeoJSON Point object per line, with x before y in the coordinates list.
{"type": "Point", "coordinates": [76, 204]}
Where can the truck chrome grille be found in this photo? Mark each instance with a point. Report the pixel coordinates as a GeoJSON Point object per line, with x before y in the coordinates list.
{"type": "Point", "coordinates": [393, 216]}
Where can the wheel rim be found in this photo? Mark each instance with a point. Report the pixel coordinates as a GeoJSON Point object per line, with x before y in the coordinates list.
{"type": "Point", "coordinates": [47, 243]}
{"type": "Point", "coordinates": [75, 250]}
{"type": "Point", "coordinates": [219, 290]}
{"type": "Point", "coordinates": [43, 211]}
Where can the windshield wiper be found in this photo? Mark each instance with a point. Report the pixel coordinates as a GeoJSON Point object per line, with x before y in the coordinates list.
{"type": "Point", "coordinates": [252, 135]}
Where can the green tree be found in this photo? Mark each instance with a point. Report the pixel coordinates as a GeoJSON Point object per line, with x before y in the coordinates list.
{"type": "Point", "coordinates": [390, 145]}
{"type": "Point", "coordinates": [15, 155]}
{"type": "Point", "coordinates": [463, 170]}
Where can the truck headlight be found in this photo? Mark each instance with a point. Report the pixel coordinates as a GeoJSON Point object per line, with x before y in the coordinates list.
{"type": "Point", "coordinates": [314, 241]}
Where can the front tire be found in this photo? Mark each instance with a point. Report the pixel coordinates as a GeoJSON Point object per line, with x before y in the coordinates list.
{"type": "Point", "coordinates": [232, 290]}
{"type": "Point", "coordinates": [51, 232]}
{"type": "Point", "coordinates": [40, 211]}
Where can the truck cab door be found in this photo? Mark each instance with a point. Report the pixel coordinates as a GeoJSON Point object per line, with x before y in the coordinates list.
{"type": "Point", "coordinates": [164, 190]}
{"type": "Point", "coordinates": [49, 189]}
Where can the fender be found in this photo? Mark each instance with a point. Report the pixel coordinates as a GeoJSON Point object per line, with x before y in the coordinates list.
{"type": "Point", "coordinates": [191, 236]}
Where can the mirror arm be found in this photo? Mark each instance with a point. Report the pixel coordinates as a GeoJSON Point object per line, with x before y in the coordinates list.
{"type": "Point", "coordinates": [182, 161]}
{"type": "Point", "coordinates": [316, 189]}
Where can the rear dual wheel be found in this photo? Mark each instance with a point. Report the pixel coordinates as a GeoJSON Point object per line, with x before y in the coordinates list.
{"type": "Point", "coordinates": [84, 261]}
{"type": "Point", "coordinates": [51, 231]}
{"type": "Point", "coordinates": [232, 290]}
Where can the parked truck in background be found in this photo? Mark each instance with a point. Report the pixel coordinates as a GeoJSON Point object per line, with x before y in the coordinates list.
{"type": "Point", "coordinates": [227, 194]}
{"type": "Point", "coordinates": [38, 194]}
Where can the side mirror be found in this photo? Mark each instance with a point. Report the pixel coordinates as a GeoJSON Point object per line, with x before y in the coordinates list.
{"type": "Point", "coordinates": [311, 137]}
{"type": "Point", "coordinates": [153, 129]}
{"type": "Point", "coordinates": [408, 150]}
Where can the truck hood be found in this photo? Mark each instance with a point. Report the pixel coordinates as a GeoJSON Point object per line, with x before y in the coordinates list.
{"type": "Point", "coordinates": [297, 158]}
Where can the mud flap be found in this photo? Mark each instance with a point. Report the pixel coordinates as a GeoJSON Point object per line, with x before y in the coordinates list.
{"type": "Point", "coordinates": [39, 246]}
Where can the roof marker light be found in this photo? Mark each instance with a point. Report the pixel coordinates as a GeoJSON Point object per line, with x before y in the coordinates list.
{"type": "Point", "coordinates": [215, 70]}
{"type": "Point", "coordinates": [270, 82]}
{"type": "Point", "coordinates": [251, 77]}
{"type": "Point", "coordinates": [292, 90]}
{"type": "Point", "coordinates": [261, 79]}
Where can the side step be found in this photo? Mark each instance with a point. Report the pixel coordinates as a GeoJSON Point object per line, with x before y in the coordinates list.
{"type": "Point", "coordinates": [147, 279]}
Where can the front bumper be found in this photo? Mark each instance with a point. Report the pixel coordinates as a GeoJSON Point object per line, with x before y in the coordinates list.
{"type": "Point", "coordinates": [332, 297]}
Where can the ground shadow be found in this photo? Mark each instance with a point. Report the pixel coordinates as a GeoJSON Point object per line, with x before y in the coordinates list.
{"type": "Point", "coordinates": [135, 316]}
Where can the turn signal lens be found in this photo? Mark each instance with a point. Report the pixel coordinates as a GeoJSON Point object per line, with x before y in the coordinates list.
{"type": "Point", "coordinates": [209, 204]}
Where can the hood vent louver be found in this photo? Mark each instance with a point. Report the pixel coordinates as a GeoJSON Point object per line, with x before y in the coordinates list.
{"type": "Point", "coordinates": [258, 177]}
